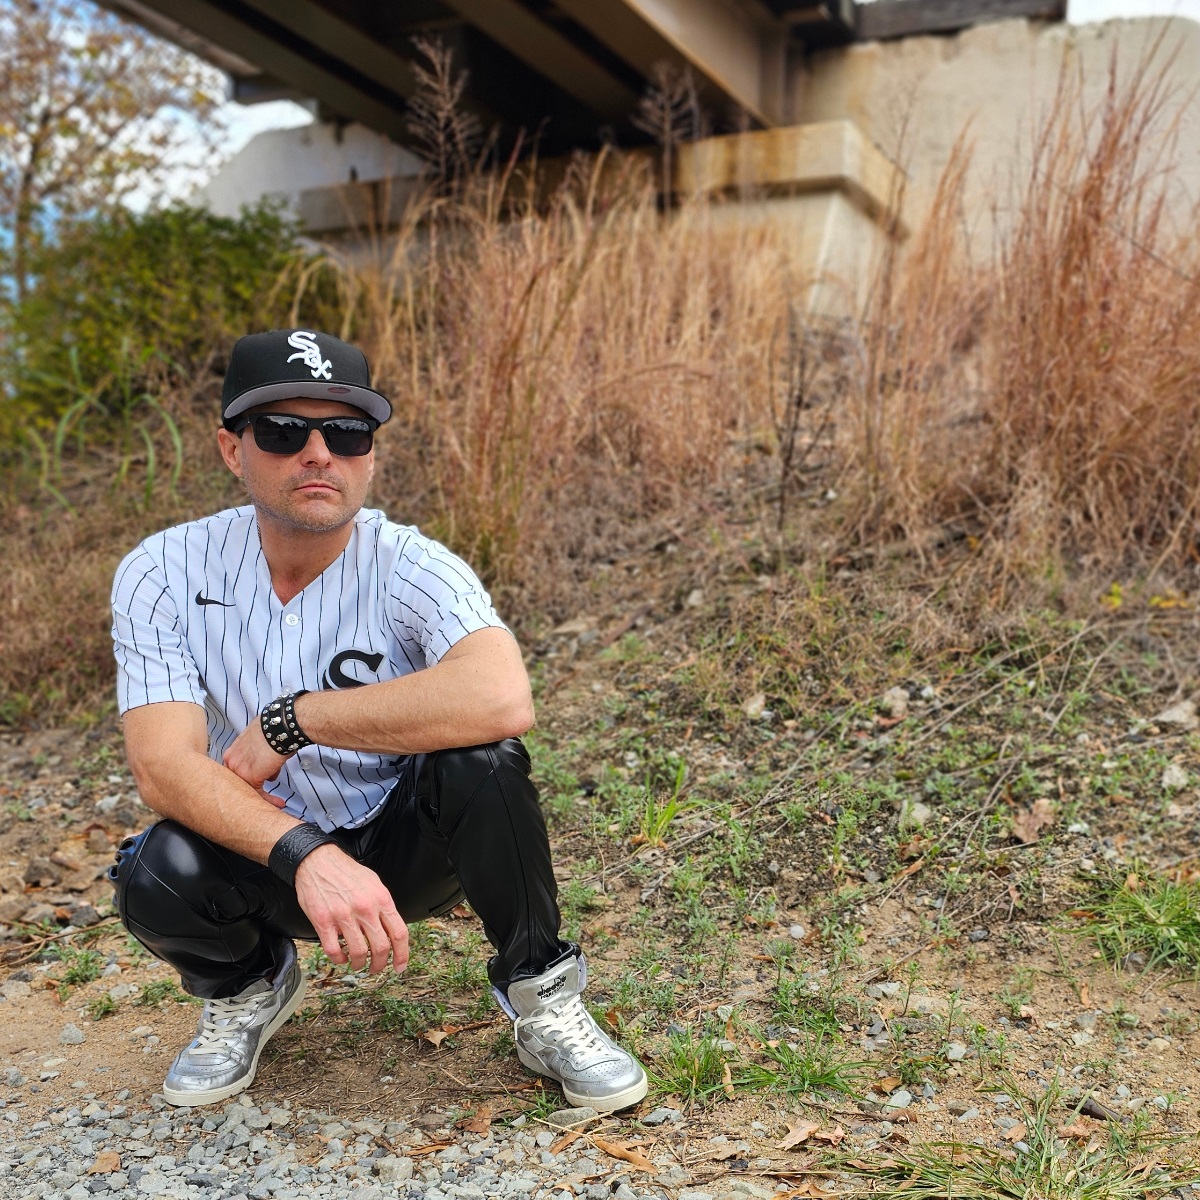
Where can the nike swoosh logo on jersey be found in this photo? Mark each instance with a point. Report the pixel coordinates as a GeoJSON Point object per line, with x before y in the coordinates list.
{"type": "Point", "coordinates": [202, 599]}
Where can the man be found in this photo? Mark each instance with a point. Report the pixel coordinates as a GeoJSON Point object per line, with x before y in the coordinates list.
{"type": "Point", "coordinates": [324, 709]}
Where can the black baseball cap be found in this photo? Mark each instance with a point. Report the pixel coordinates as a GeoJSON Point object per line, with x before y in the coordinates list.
{"type": "Point", "coordinates": [286, 363]}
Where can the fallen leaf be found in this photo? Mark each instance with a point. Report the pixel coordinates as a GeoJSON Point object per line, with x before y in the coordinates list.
{"type": "Point", "coordinates": [435, 1037]}
{"type": "Point", "coordinates": [1076, 1130]}
{"type": "Point", "coordinates": [911, 869]}
{"type": "Point", "coordinates": [633, 1157]}
{"type": "Point", "coordinates": [833, 1136]}
{"type": "Point", "coordinates": [1028, 1013]}
{"type": "Point", "coordinates": [797, 1134]}
{"type": "Point", "coordinates": [726, 1152]}
{"type": "Point", "coordinates": [567, 1138]}
{"type": "Point", "coordinates": [727, 1081]}
{"type": "Point", "coordinates": [431, 1148]}
{"type": "Point", "coordinates": [1085, 996]}
{"type": "Point", "coordinates": [460, 912]}
{"type": "Point", "coordinates": [890, 1084]}
{"type": "Point", "coordinates": [1132, 882]}
{"type": "Point", "coordinates": [480, 1123]}
{"type": "Point", "coordinates": [106, 1162]}
{"type": "Point", "coordinates": [1030, 822]}
{"type": "Point", "coordinates": [1016, 1133]}
{"type": "Point", "coordinates": [809, 1188]}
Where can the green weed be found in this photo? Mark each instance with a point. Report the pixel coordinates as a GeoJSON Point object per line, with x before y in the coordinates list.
{"type": "Point", "coordinates": [1147, 914]}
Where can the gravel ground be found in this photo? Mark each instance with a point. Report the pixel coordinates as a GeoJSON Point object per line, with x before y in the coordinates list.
{"type": "Point", "coordinates": [246, 1152]}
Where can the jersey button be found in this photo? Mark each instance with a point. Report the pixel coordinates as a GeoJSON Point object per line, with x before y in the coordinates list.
{"type": "Point", "coordinates": [291, 619]}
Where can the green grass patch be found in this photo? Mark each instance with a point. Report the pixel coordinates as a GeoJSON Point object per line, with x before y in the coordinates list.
{"type": "Point", "coordinates": [1142, 913]}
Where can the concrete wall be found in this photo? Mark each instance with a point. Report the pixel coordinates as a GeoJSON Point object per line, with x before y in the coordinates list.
{"type": "Point", "coordinates": [913, 98]}
{"type": "Point", "coordinates": [283, 163]}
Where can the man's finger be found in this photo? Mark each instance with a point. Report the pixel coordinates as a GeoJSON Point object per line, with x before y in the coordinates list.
{"type": "Point", "coordinates": [380, 945]}
{"type": "Point", "coordinates": [356, 944]}
{"type": "Point", "coordinates": [328, 934]}
{"type": "Point", "coordinates": [397, 933]}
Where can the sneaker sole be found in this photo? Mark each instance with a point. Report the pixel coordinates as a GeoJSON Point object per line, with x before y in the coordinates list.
{"type": "Point", "coordinates": [216, 1095]}
{"type": "Point", "coordinates": [623, 1099]}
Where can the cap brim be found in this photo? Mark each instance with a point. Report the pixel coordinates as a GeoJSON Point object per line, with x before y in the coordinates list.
{"type": "Point", "coordinates": [371, 402]}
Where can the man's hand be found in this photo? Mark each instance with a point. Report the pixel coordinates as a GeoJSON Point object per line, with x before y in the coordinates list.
{"type": "Point", "coordinates": [252, 760]}
{"type": "Point", "coordinates": [347, 902]}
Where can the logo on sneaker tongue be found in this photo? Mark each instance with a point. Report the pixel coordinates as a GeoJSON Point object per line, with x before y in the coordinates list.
{"type": "Point", "coordinates": [552, 989]}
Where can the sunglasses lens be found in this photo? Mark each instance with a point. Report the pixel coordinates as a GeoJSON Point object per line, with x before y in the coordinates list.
{"type": "Point", "coordinates": [280, 434]}
{"type": "Point", "coordinates": [347, 437]}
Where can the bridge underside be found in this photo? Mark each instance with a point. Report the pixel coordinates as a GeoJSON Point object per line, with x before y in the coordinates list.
{"type": "Point", "coordinates": [570, 71]}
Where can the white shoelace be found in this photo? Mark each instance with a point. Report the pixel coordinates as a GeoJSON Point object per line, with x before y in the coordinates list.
{"type": "Point", "coordinates": [573, 1026]}
{"type": "Point", "coordinates": [223, 1020]}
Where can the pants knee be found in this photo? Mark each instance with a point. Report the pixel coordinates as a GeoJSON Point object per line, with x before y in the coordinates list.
{"type": "Point", "coordinates": [168, 878]}
{"type": "Point", "coordinates": [460, 773]}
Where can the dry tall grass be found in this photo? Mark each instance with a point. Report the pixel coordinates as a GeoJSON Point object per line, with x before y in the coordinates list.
{"type": "Point", "coordinates": [565, 369]}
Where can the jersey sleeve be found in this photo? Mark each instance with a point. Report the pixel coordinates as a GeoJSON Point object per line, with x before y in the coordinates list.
{"type": "Point", "coordinates": [440, 598]}
{"type": "Point", "coordinates": [154, 663]}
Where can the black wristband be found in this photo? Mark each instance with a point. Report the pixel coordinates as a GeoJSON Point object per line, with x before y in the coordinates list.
{"type": "Point", "coordinates": [280, 727]}
{"type": "Point", "coordinates": [292, 849]}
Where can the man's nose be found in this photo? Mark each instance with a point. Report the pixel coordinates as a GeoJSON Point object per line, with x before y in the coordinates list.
{"type": "Point", "coordinates": [315, 449]}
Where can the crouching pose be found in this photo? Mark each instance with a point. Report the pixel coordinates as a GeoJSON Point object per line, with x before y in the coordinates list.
{"type": "Point", "coordinates": [324, 708]}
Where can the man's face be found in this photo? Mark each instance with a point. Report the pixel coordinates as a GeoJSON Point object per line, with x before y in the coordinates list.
{"type": "Point", "coordinates": [312, 491]}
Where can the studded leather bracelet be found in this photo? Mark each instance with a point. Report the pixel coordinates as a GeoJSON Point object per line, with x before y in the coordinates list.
{"type": "Point", "coordinates": [293, 848]}
{"type": "Point", "coordinates": [280, 727]}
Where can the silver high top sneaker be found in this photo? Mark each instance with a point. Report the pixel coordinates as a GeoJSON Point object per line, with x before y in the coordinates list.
{"type": "Point", "coordinates": [222, 1059]}
{"type": "Point", "coordinates": [556, 1036]}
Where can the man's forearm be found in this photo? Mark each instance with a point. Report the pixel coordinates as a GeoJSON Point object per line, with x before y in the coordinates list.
{"type": "Point", "coordinates": [212, 801]}
{"type": "Point", "coordinates": [465, 700]}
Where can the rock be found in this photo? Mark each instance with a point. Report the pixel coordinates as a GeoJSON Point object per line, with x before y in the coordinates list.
{"type": "Point", "coordinates": [660, 1116]}
{"type": "Point", "coordinates": [122, 991]}
{"type": "Point", "coordinates": [13, 909]}
{"type": "Point", "coordinates": [797, 933]}
{"type": "Point", "coordinates": [969, 1115]}
{"type": "Point", "coordinates": [1174, 778]}
{"type": "Point", "coordinates": [755, 706]}
{"type": "Point", "coordinates": [956, 1052]}
{"type": "Point", "coordinates": [1158, 1045]}
{"type": "Point", "coordinates": [98, 842]}
{"type": "Point", "coordinates": [40, 914]}
{"type": "Point", "coordinates": [1086, 1020]}
{"type": "Point", "coordinates": [1181, 716]}
{"type": "Point", "coordinates": [899, 1100]}
{"type": "Point", "coordinates": [84, 915]}
{"type": "Point", "coordinates": [695, 598]}
{"type": "Point", "coordinates": [914, 814]}
{"type": "Point", "coordinates": [71, 1035]}
{"type": "Point", "coordinates": [16, 989]}
{"type": "Point", "coordinates": [41, 872]}
{"type": "Point", "coordinates": [956, 1108]}
{"type": "Point", "coordinates": [923, 1006]}
{"type": "Point", "coordinates": [894, 702]}
{"type": "Point", "coordinates": [393, 1169]}
{"type": "Point", "coordinates": [978, 935]}
{"type": "Point", "coordinates": [571, 1118]}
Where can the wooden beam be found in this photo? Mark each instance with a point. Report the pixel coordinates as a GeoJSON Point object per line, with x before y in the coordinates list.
{"type": "Point", "coordinates": [546, 51]}
{"type": "Point", "coordinates": [885, 19]}
{"type": "Point", "coordinates": [741, 56]}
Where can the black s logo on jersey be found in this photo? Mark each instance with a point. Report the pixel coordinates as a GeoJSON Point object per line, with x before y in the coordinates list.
{"type": "Point", "coordinates": [336, 677]}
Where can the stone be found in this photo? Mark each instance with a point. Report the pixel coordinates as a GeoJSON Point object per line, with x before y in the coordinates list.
{"type": "Point", "coordinates": [797, 933]}
{"type": "Point", "coordinates": [1158, 1045]}
{"type": "Point", "coordinates": [914, 814]}
{"type": "Point", "coordinates": [956, 1108]}
{"type": "Point", "coordinates": [41, 872]}
{"type": "Point", "coordinates": [16, 989]}
{"type": "Point", "coordinates": [898, 1100]}
{"type": "Point", "coordinates": [978, 935]}
{"type": "Point", "coordinates": [394, 1169]}
{"type": "Point", "coordinates": [1174, 777]}
{"type": "Point", "coordinates": [956, 1052]}
{"type": "Point", "coordinates": [71, 1035]}
{"type": "Point", "coordinates": [571, 1118]}
{"type": "Point", "coordinates": [894, 702]}
{"type": "Point", "coordinates": [1181, 716]}
{"type": "Point", "coordinates": [660, 1116]}
{"type": "Point", "coordinates": [84, 915]}
{"type": "Point", "coordinates": [969, 1115]}
{"type": "Point", "coordinates": [98, 842]}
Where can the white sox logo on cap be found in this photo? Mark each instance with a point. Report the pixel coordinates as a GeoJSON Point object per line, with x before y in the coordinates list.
{"type": "Point", "coordinates": [306, 343]}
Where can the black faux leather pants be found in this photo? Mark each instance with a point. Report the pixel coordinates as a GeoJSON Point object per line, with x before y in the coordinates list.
{"type": "Point", "coordinates": [458, 823]}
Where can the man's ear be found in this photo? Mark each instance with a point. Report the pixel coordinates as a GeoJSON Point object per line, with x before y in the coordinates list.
{"type": "Point", "coordinates": [230, 446]}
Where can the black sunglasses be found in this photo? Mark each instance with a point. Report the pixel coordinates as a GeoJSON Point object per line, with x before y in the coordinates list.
{"type": "Point", "coordinates": [283, 433]}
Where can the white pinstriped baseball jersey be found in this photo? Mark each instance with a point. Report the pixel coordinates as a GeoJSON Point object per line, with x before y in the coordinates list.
{"type": "Point", "coordinates": [195, 619]}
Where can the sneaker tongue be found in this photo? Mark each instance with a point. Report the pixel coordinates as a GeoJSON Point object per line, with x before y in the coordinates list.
{"type": "Point", "coordinates": [528, 996]}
